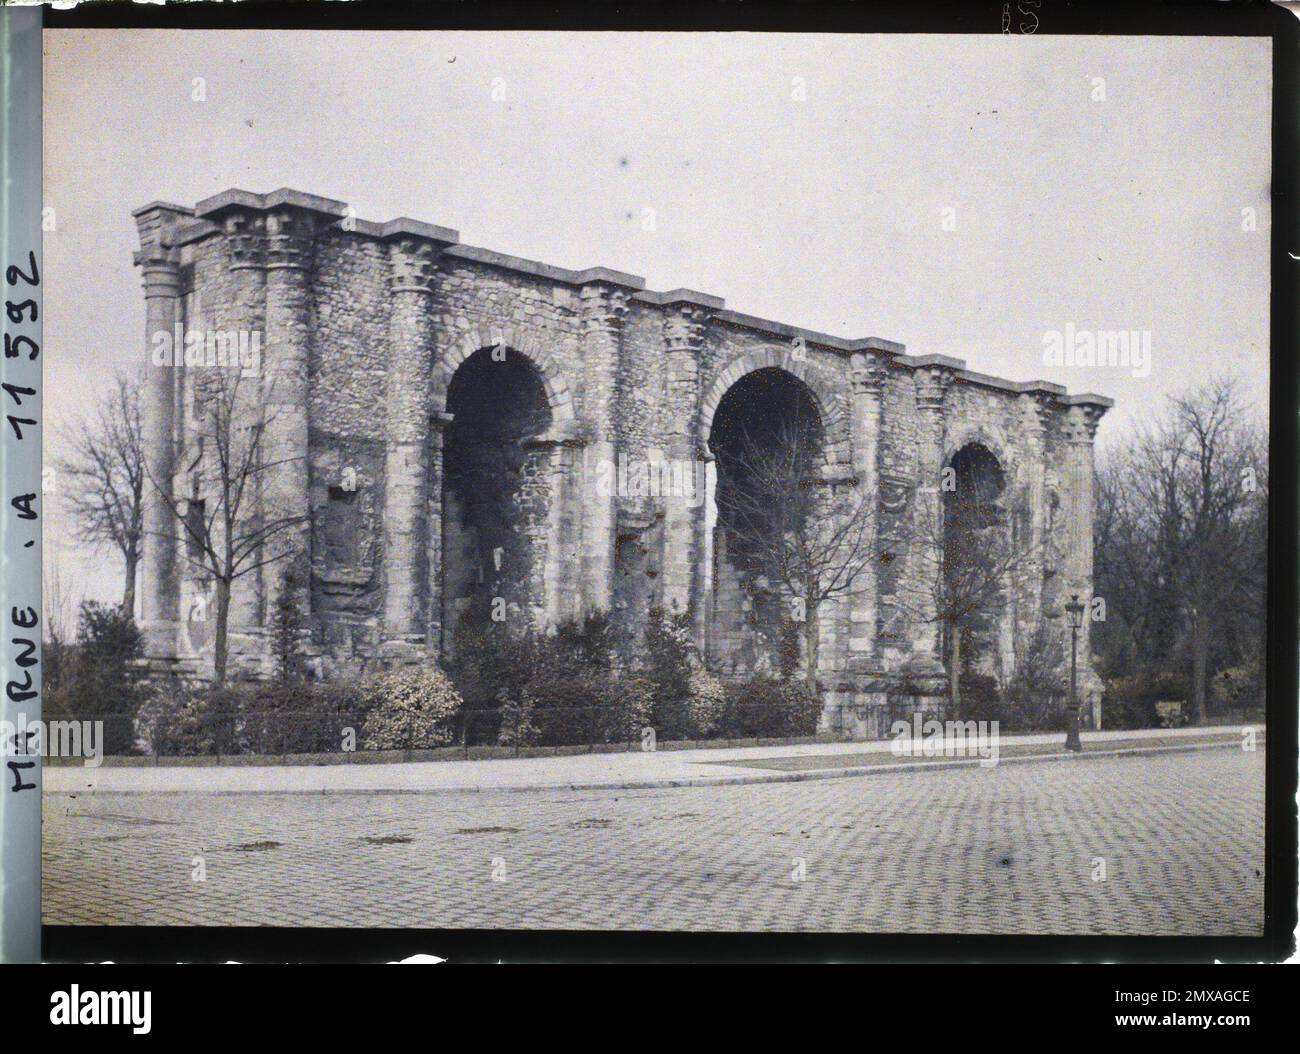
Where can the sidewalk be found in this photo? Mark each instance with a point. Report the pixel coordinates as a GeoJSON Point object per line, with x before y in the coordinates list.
{"type": "Point", "coordinates": [676, 768]}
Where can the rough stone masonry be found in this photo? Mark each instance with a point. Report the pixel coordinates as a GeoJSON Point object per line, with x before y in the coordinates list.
{"type": "Point", "coordinates": [441, 425]}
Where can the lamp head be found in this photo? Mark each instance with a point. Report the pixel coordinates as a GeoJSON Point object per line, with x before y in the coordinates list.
{"type": "Point", "coordinates": [1075, 611]}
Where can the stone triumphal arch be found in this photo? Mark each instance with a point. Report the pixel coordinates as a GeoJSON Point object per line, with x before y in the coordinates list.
{"type": "Point", "coordinates": [452, 424]}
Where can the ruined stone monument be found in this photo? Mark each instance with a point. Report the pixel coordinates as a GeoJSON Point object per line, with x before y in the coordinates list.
{"type": "Point", "coordinates": [453, 423]}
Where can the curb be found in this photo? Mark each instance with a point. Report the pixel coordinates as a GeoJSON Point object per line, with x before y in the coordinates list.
{"type": "Point", "coordinates": [699, 781]}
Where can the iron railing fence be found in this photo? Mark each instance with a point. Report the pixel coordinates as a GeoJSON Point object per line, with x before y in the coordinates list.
{"type": "Point", "coordinates": [324, 729]}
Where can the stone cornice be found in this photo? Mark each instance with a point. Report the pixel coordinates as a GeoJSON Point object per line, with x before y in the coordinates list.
{"type": "Point", "coordinates": [216, 206]}
{"type": "Point", "coordinates": [811, 337]}
{"type": "Point", "coordinates": [203, 221]}
{"type": "Point", "coordinates": [275, 230]}
{"type": "Point", "coordinates": [675, 297]}
{"type": "Point", "coordinates": [1100, 402]}
{"type": "Point", "coordinates": [406, 228]}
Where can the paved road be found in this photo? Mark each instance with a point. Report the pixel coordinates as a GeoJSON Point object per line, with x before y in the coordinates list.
{"type": "Point", "coordinates": [1012, 849]}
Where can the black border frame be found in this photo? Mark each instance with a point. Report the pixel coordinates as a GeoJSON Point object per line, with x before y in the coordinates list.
{"type": "Point", "coordinates": [1054, 17]}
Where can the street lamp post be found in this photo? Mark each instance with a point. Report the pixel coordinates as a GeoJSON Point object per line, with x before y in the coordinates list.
{"type": "Point", "coordinates": [1075, 610]}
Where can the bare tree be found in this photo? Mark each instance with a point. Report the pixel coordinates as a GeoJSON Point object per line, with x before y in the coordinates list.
{"type": "Point", "coordinates": [1199, 488]}
{"type": "Point", "coordinates": [1126, 571]}
{"type": "Point", "coordinates": [57, 659]}
{"type": "Point", "coordinates": [813, 536]}
{"type": "Point", "coordinates": [228, 532]}
{"type": "Point", "coordinates": [103, 479]}
{"type": "Point", "coordinates": [59, 620]}
{"type": "Point", "coordinates": [1182, 538]}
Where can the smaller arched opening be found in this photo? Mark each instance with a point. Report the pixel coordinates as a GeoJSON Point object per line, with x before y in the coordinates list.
{"type": "Point", "coordinates": [978, 557]}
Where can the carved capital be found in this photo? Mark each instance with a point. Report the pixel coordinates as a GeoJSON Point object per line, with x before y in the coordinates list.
{"type": "Point", "coordinates": [1037, 408]}
{"type": "Point", "coordinates": [158, 260]}
{"type": "Point", "coordinates": [245, 233]}
{"type": "Point", "coordinates": [414, 265]}
{"type": "Point", "coordinates": [685, 328]}
{"type": "Point", "coordinates": [1082, 422]}
{"type": "Point", "coordinates": [604, 308]}
{"type": "Point", "coordinates": [867, 371]}
{"type": "Point", "coordinates": [160, 272]}
{"type": "Point", "coordinates": [290, 238]}
{"type": "Point", "coordinates": [932, 384]}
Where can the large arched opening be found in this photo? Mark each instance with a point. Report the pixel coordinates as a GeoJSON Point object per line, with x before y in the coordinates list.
{"type": "Point", "coordinates": [495, 494]}
{"type": "Point", "coordinates": [768, 439]}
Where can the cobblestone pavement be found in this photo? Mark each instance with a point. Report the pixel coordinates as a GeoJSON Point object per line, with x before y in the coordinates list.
{"type": "Point", "coordinates": [1011, 849]}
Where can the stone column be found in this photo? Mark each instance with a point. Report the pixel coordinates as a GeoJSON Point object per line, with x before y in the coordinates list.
{"type": "Point", "coordinates": [159, 585]}
{"type": "Point", "coordinates": [1036, 416]}
{"type": "Point", "coordinates": [855, 707]}
{"type": "Point", "coordinates": [683, 586]}
{"type": "Point", "coordinates": [1081, 429]}
{"type": "Point", "coordinates": [245, 234]}
{"type": "Point", "coordinates": [932, 383]}
{"type": "Point", "coordinates": [867, 372]}
{"type": "Point", "coordinates": [560, 448]}
{"type": "Point", "coordinates": [604, 310]}
{"type": "Point", "coordinates": [704, 553]}
{"type": "Point", "coordinates": [406, 475]}
{"type": "Point", "coordinates": [291, 233]}
{"type": "Point", "coordinates": [435, 615]}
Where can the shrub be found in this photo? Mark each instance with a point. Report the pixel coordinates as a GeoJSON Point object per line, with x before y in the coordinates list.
{"type": "Point", "coordinates": [517, 727]}
{"type": "Point", "coordinates": [298, 718]}
{"type": "Point", "coordinates": [568, 693]}
{"type": "Point", "coordinates": [765, 708]}
{"type": "Point", "coordinates": [668, 667]}
{"type": "Point", "coordinates": [526, 688]}
{"type": "Point", "coordinates": [706, 705]}
{"type": "Point", "coordinates": [1130, 702]}
{"type": "Point", "coordinates": [410, 708]}
{"type": "Point", "coordinates": [248, 718]}
{"type": "Point", "coordinates": [490, 660]}
{"type": "Point", "coordinates": [980, 700]}
{"type": "Point", "coordinates": [586, 644]}
{"type": "Point", "coordinates": [803, 708]}
{"type": "Point", "coordinates": [178, 721]}
{"type": "Point", "coordinates": [1238, 689]}
{"type": "Point", "coordinates": [289, 626]}
{"type": "Point", "coordinates": [564, 704]}
{"type": "Point", "coordinates": [790, 651]}
{"type": "Point", "coordinates": [97, 678]}
{"type": "Point", "coordinates": [633, 710]}
{"type": "Point", "coordinates": [1036, 700]}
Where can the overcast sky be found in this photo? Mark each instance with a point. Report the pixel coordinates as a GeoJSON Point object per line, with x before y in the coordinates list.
{"type": "Point", "coordinates": [803, 178]}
